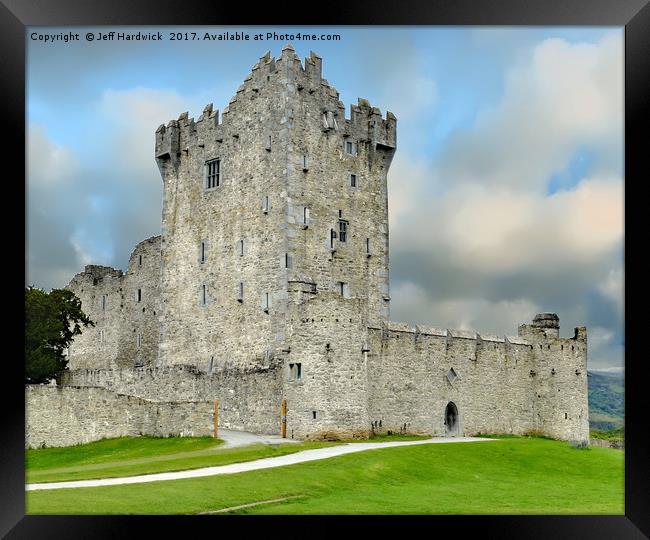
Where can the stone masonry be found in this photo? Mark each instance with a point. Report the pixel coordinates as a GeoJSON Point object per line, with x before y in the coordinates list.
{"type": "Point", "coordinates": [270, 282]}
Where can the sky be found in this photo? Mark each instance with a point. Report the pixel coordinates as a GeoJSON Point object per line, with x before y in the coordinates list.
{"type": "Point", "coordinates": [505, 193]}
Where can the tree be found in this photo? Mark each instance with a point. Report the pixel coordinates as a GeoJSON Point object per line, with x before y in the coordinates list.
{"type": "Point", "coordinates": [51, 322]}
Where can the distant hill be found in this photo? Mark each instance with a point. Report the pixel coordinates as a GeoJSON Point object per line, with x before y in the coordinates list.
{"type": "Point", "coordinates": [606, 400]}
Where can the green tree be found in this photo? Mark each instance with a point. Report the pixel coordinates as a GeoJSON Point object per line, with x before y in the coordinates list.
{"type": "Point", "coordinates": [51, 322]}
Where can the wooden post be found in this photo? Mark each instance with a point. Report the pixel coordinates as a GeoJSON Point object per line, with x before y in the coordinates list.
{"type": "Point", "coordinates": [216, 418]}
{"type": "Point", "coordinates": [284, 419]}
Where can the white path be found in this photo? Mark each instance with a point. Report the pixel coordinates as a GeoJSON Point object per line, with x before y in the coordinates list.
{"type": "Point", "coordinates": [266, 463]}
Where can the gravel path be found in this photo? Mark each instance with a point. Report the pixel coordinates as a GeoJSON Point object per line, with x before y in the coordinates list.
{"type": "Point", "coordinates": [265, 463]}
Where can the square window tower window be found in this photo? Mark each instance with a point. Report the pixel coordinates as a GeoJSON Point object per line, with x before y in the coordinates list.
{"type": "Point", "coordinates": [343, 230]}
{"type": "Point", "coordinates": [212, 174]}
{"type": "Point", "coordinates": [353, 180]}
{"type": "Point", "coordinates": [351, 148]}
{"type": "Point", "coordinates": [295, 371]}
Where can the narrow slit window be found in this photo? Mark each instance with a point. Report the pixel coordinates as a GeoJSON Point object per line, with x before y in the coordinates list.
{"type": "Point", "coordinates": [211, 364]}
{"type": "Point", "coordinates": [139, 260]}
{"type": "Point", "coordinates": [288, 261]}
{"type": "Point", "coordinates": [213, 174]}
{"type": "Point", "coordinates": [138, 295]}
{"type": "Point", "coordinates": [332, 238]}
{"type": "Point", "coordinates": [138, 341]}
{"type": "Point", "coordinates": [265, 204]}
{"type": "Point", "coordinates": [240, 292]}
{"type": "Point", "coordinates": [204, 295]}
{"type": "Point", "coordinates": [353, 180]}
{"type": "Point", "coordinates": [305, 166]}
{"type": "Point", "coordinates": [305, 216]}
{"type": "Point", "coordinates": [342, 289]}
{"type": "Point", "coordinates": [368, 246]}
{"type": "Point", "coordinates": [103, 302]}
{"type": "Point", "coordinates": [240, 248]}
{"type": "Point", "coordinates": [266, 301]}
{"type": "Point", "coordinates": [101, 336]}
{"type": "Point", "coordinates": [202, 257]}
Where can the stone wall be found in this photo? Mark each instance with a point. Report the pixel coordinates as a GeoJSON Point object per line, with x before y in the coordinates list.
{"type": "Point", "coordinates": [127, 329]}
{"type": "Point", "coordinates": [249, 398]}
{"type": "Point", "coordinates": [499, 384]}
{"type": "Point", "coordinates": [63, 416]}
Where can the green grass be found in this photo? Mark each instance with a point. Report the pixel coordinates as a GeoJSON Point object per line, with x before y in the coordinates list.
{"type": "Point", "coordinates": [509, 476]}
{"type": "Point", "coordinates": [130, 456]}
{"type": "Point", "coordinates": [617, 434]}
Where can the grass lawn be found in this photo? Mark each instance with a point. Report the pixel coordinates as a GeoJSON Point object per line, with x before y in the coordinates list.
{"type": "Point", "coordinates": [509, 476]}
{"type": "Point", "coordinates": [130, 456]}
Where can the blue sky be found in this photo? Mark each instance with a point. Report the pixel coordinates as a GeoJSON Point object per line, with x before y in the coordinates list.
{"type": "Point", "coordinates": [505, 192]}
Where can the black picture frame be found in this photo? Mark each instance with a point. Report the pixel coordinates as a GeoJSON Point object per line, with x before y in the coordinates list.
{"type": "Point", "coordinates": [634, 15]}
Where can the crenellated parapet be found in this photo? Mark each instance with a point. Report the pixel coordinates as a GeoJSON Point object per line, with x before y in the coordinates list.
{"type": "Point", "coordinates": [365, 123]}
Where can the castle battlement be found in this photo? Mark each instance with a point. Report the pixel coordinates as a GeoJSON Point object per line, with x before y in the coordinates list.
{"type": "Point", "coordinates": [365, 123]}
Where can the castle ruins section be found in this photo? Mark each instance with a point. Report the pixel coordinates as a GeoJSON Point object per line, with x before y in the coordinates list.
{"type": "Point", "coordinates": [270, 284]}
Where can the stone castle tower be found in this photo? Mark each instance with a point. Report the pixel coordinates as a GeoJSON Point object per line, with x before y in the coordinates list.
{"type": "Point", "coordinates": [270, 282]}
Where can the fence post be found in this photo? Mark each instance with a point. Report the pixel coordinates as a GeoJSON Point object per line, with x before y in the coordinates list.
{"type": "Point", "coordinates": [216, 418]}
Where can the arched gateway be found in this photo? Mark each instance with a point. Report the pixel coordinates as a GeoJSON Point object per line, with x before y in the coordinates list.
{"type": "Point", "coordinates": [451, 420]}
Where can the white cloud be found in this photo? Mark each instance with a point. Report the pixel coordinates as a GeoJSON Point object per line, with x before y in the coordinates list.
{"type": "Point", "coordinates": [566, 96]}
{"type": "Point", "coordinates": [48, 165]}
{"type": "Point", "coordinates": [132, 117]}
{"type": "Point", "coordinates": [413, 303]}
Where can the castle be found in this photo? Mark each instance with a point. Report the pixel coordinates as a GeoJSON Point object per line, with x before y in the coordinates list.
{"type": "Point", "coordinates": [269, 288]}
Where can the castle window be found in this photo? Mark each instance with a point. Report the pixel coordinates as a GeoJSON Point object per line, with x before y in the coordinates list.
{"type": "Point", "coordinates": [265, 204]}
{"type": "Point", "coordinates": [368, 247]}
{"type": "Point", "coordinates": [240, 294]}
{"type": "Point", "coordinates": [351, 148]}
{"type": "Point", "coordinates": [343, 230]}
{"type": "Point", "coordinates": [204, 295]}
{"type": "Point", "coordinates": [138, 341]}
{"type": "Point", "coordinates": [212, 174]}
{"type": "Point", "coordinates": [103, 302]}
{"type": "Point", "coordinates": [451, 375]}
{"type": "Point", "coordinates": [268, 143]}
{"type": "Point", "coordinates": [288, 261]}
{"type": "Point", "coordinates": [266, 301]}
{"type": "Point", "coordinates": [313, 415]}
{"type": "Point", "coordinates": [295, 372]}
{"type": "Point", "coordinates": [138, 295]}
{"type": "Point", "coordinates": [343, 289]}
{"type": "Point", "coordinates": [139, 260]}
{"type": "Point", "coordinates": [353, 180]}
{"type": "Point", "coordinates": [305, 166]}
{"type": "Point", "coordinates": [240, 248]}
{"type": "Point", "coordinates": [101, 336]}
{"type": "Point", "coordinates": [211, 364]}
{"type": "Point", "coordinates": [202, 253]}
{"type": "Point", "coordinates": [305, 216]}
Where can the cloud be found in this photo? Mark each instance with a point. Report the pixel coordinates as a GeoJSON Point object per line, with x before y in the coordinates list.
{"type": "Point", "coordinates": [478, 242]}
{"type": "Point", "coordinates": [49, 165]}
{"type": "Point", "coordinates": [564, 96]}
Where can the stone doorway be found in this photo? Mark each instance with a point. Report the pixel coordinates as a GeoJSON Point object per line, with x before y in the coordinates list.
{"type": "Point", "coordinates": [452, 421]}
